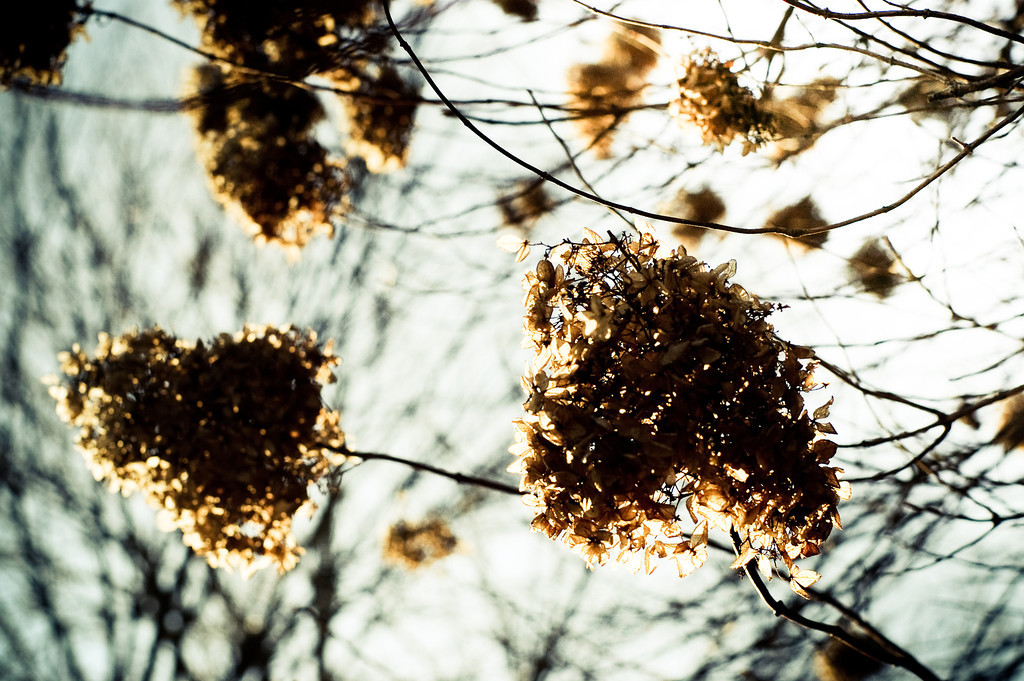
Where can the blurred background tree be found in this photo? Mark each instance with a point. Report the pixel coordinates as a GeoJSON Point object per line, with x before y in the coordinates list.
{"type": "Point", "coordinates": [889, 129]}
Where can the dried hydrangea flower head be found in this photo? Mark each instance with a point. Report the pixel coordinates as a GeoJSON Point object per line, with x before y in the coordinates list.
{"type": "Point", "coordinates": [797, 119]}
{"type": "Point", "coordinates": [524, 9]}
{"type": "Point", "coordinates": [414, 545]}
{"type": "Point", "coordinates": [32, 46]}
{"type": "Point", "coordinates": [256, 141]}
{"type": "Point", "coordinates": [873, 265]}
{"type": "Point", "coordinates": [1011, 428]}
{"type": "Point", "coordinates": [225, 437]}
{"type": "Point", "coordinates": [526, 203]}
{"type": "Point", "coordinates": [605, 91]}
{"type": "Point", "coordinates": [837, 661]}
{"type": "Point", "coordinates": [711, 98]}
{"type": "Point", "coordinates": [700, 206]}
{"type": "Point", "coordinates": [295, 38]}
{"type": "Point", "coordinates": [798, 223]}
{"type": "Point", "coordinates": [380, 116]}
{"type": "Point", "coordinates": [659, 390]}
{"type": "Point", "coordinates": [256, 130]}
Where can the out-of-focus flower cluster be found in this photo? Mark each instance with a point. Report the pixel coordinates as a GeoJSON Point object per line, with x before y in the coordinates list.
{"type": "Point", "coordinates": [256, 129]}
{"type": "Point", "coordinates": [700, 206]}
{"type": "Point", "coordinates": [797, 119]}
{"type": "Point", "coordinates": [711, 98]}
{"type": "Point", "coordinates": [33, 42]}
{"type": "Point", "coordinates": [1011, 428]}
{"type": "Point", "coordinates": [525, 204]}
{"type": "Point", "coordinates": [524, 9]}
{"type": "Point", "coordinates": [874, 267]}
{"type": "Point", "coordinates": [380, 121]}
{"type": "Point", "coordinates": [225, 437]}
{"type": "Point", "coordinates": [658, 391]}
{"type": "Point", "coordinates": [603, 93]}
{"type": "Point", "coordinates": [414, 545]}
{"type": "Point", "coordinates": [256, 141]}
{"type": "Point", "coordinates": [296, 39]}
{"type": "Point", "coordinates": [836, 661]}
{"type": "Point", "coordinates": [798, 223]}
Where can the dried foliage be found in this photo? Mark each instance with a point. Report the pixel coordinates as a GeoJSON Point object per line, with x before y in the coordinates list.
{"type": "Point", "coordinates": [799, 223]}
{"type": "Point", "coordinates": [33, 41]}
{"type": "Point", "coordinates": [256, 141]}
{"type": "Point", "coordinates": [224, 438]}
{"type": "Point", "coordinates": [712, 99]}
{"type": "Point", "coordinates": [525, 204]}
{"type": "Point", "coordinates": [655, 384]}
{"type": "Point", "coordinates": [414, 545]}
{"type": "Point", "coordinates": [603, 93]}
{"type": "Point", "coordinates": [381, 114]}
{"type": "Point", "coordinates": [873, 265]}
{"type": "Point", "coordinates": [701, 206]}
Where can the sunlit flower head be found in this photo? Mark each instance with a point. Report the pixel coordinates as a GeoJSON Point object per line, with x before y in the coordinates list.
{"type": "Point", "coordinates": [296, 38]}
{"type": "Point", "coordinates": [225, 438]}
{"type": "Point", "coordinates": [659, 397]}
{"type": "Point", "coordinates": [256, 141]}
{"type": "Point", "coordinates": [712, 99]}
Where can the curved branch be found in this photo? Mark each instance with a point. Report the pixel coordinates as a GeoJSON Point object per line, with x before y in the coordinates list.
{"type": "Point", "coordinates": [919, 13]}
{"type": "Point", "coordinates": [460, 478]}
{"type": "Point", "coordinates": [887, 651]}
{"type": "Point", "coordinates": [768, 45]}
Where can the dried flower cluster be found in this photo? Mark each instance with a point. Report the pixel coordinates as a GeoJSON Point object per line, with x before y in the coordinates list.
{"type": "Point", "coordinates": [656, 384]}
{"type": "Point", "coordinates": [701, 206]}
{"type": "Point", "coordinates": [1011, 430]}
{"type": "Point", "coordinates": [32, 46]}
{"type": "Point", "coordinates": [524, 9]}
{"type": "Point", "coordinates": [797, 119]}
{"type": "Point", "coordinates": [798, 223]}
{"type": "Point", "coordinates": [296, 39]}
{"type": "Point", "coordinates": [836, 661]}
{"type": "Point", "coordinates": [525, 204]}
{"type": "Point", "coordinates": [256, 130]}
{"type": "Point", "coordinates": [256, 141]}
{"type": "Point", "coordinates": [916, 100]}
{"type": "Point", "coordinates": [380, 119]}
{"type": "Point", "coordinates": [415, 545]}
{"type": "Point", "coordinates": [873, 265]}
{"type": "Point", "coordinates": [604, 92]}
{"type": "Point", "coordinates": [225, 438]}
{"type": "Point", "coordinates": [711, 98]}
